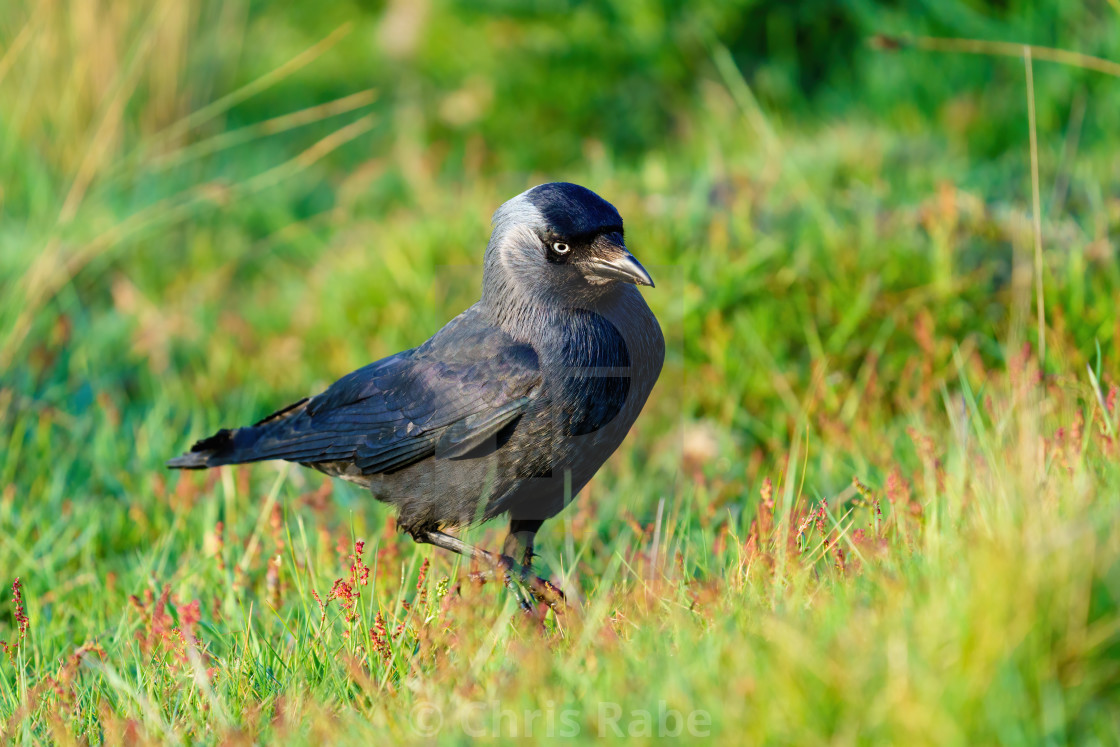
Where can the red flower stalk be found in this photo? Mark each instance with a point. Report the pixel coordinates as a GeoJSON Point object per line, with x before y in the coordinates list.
{"type": "Point", "coordinates": [322, 608]}
{"type": "Point", "coordinates": [803, 527]}
{"type": "Point", "coordinates": [22, 623]}
{"type": "Point", "coordinates": [379, 636]}
{"type": "Point", "coordinates": [342, 590]}
{"type": "Point", "coordinates": [219, 545]}
{"type": "Point", "coordinates": [347, 592]}
{"type": "Point", "coordinates": [276, 522]}
{"type": "Point", "coordinates": [1076, 430]}
{"type": "Point", "coordinates": [359, 572]}
{"type": "Point", "coordinates": [189, 616]}
{"type": "Point", "coordinates": [348, 597]}
{"type": "Point", "coordinates": [272, 581]}
{"type": "Point", "coordinates": [159, 634]}
{"type": "Point", "coordinates": [767, 493]}
{"type": "Point", "coordinates": [898, 490]}
{"type": "Point", "coordinates": [420, 581]}
{"type": "Point", "coordinates": [763, 524]}
{"type": "Point", "coordinates": [21, 616]}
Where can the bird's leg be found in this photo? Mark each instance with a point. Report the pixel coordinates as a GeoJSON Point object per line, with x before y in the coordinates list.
{"type": "Point", "coordinates": [495, 564]}
{"type": "Point", "coordinates": [503, 563]}
{"type": "Point", "coordinates": [454, 544]}
{"type": "Point", "coordinates": [519, 541]}
{"type": "Point", "coordinates": [519, 544]}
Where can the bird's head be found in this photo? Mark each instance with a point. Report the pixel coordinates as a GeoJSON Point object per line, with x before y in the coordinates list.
{"type": "Point", "coordinates": [559, 240]}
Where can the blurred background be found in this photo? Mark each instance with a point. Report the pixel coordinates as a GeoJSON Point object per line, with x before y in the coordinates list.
{"type": "Point", "coordinates": [216, 202]}
{"type": "Point", "coordinates": [211, 208]}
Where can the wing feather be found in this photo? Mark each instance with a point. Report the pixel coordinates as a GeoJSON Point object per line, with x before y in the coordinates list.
{"type": "Point", "coordinates": [446, 399]}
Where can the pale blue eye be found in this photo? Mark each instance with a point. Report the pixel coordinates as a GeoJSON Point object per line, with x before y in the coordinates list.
{"type": "Point", "coordinates": [561, 248]}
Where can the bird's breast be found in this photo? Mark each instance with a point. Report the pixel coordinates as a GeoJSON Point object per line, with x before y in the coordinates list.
{"type": "Point", "coordinates": [604, 366]}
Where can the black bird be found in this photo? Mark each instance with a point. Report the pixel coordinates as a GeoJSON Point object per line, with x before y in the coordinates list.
{"type": "Point", "coordinates": [511, 407]}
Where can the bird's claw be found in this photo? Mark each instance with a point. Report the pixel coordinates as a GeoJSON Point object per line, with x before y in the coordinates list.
{"type": "Point", "coordinates": [539, 589]}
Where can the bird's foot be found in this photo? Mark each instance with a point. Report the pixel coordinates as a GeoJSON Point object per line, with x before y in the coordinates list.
{"type": "Point", "coordinates": [521, 580]}
{"type": "Point", "coordinates": [517, 577]}
{"type": "Point", "coordinates": [543, 589]}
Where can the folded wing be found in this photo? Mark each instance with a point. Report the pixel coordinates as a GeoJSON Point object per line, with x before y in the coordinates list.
{"type": "Point", "coordinates": [449, 398]}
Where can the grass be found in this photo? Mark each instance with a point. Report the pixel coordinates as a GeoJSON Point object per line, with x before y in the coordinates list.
{"type": "Point", "coordinates": [862, 505]}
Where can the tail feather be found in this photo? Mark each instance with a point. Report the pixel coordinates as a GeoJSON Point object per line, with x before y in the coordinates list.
{"type": "Point", "coordinates": [208, 452]}
{"type": "Point", "coordinates": [190, 460]}
{"type": "Point", "coordinates": [224, 447]}
{"type": "Point", "coordinates": [235, 446]}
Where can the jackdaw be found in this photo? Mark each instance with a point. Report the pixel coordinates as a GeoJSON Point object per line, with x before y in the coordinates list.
{"type": "Point", "coordinates": [511, 407]}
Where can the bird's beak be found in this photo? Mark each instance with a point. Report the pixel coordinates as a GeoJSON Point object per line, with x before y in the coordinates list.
{"type": "Point", "coordinates": [619, 264]}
